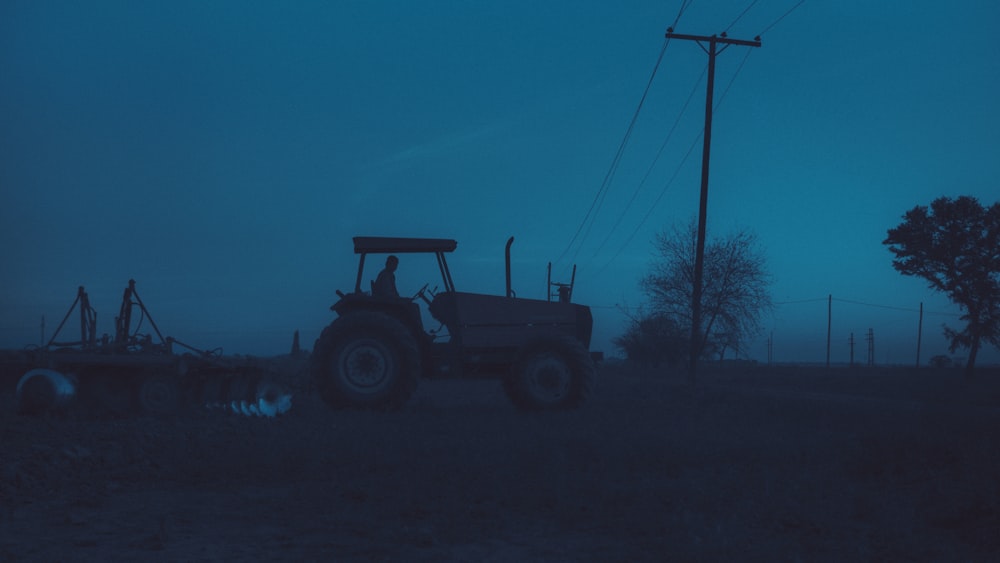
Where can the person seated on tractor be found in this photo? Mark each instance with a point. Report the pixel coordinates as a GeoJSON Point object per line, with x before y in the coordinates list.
{"type": "Point", "coordinates": [385, 284]}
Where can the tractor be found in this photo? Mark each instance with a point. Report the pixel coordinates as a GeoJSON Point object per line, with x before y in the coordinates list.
{"type": "Point", "coordinates": [375, 352]}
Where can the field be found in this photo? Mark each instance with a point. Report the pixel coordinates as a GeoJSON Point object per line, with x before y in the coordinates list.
{"type": "Point", "coordinates": [751, 464]}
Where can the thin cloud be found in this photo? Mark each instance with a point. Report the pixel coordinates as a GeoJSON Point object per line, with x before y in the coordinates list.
{"type": "Point", "coordinates": [442, 146]}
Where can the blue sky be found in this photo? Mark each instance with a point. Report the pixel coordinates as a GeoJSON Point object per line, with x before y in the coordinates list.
{"type": "Point", "coordinates": [224, 153]}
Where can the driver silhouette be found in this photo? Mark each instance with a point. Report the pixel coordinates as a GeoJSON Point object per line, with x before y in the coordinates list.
{"type": "Point", "coordinates": [385, 284]}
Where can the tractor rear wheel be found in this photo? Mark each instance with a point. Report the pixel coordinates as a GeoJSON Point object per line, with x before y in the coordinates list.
{"type": "Point", "coordinates": [555, 373]}
{"type": "Point", "coordinates": [366, 360]}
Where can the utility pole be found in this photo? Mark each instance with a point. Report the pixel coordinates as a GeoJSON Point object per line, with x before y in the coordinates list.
{"type": "Point", "coordinates": [872, 332]}
{"type": "Point", "coordinates": [851, 342]}
{"type": "Point", "coordinates": [713, 50]}
{"type": "Point", "coordinates": [829, 322]}
{"type": "Point", "coordinates": [870, 337]}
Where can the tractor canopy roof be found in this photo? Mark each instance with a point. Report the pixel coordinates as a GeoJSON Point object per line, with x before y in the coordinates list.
{"type": "Point", "coordinates": [393, 245]}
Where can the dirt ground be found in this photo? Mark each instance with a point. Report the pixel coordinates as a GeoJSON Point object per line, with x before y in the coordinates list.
{"type": "Point", "coordinates": [751, 464]}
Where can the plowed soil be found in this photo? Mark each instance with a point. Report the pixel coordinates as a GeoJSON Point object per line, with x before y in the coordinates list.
{"type": "Point", "coordinates": [751, 464]}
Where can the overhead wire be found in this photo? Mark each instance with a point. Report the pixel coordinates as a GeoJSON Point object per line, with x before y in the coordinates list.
{"type": "Point", "coordinates": [600, 197]}
{"type": "Point", "coordinates": [873, 305]}
{"type": "Point", "coordinates": [680, 165]}
{"type": "Point", "coordinates": [684, 6]}
{"type": "Point", "coordinates": [601, 194]}
{"type": "Point", "coordinates": [602, 191]}
{"type": "Point", "coordinates": [652, 207]}
{"type": "Point", "coordinates": [656, 158]}
{"type": "Point", "coordinates": [775, 22]}
{"type": "Point", "coordinates": [739, 17]}
{"type": "Point", "coordinates": [731, 80]}
{"type": "Point", "coordinates": [865, 304]}
{"type": "Point", "coordinates": [797, 301]}
{"type": "Point", "coordinates": [907, 309]}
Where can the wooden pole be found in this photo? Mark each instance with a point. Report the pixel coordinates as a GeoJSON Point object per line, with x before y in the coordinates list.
{"type": "Point", "coordinates": [851, 340]}
{"type": "Point", "coordinates": [829, 322]}
{"type": "Point", "coordinates": [699, 262]}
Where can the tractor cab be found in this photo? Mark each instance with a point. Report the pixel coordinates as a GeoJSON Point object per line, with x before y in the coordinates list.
{"type": "Point", "coordinates": [394, 245]}
{"type": "Point", "coordinates": [404, 308]}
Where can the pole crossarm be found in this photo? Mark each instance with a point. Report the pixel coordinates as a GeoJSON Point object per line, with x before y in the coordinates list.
{"type": "Point", "coordinates": [716, 38]}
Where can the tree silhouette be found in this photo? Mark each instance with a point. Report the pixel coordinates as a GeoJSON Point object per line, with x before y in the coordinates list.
{"type": "Point", "coordinates": [653, 340]}
{"type": "Point", "coordinates": [735, 292]}
{"type": "Point", "coordinates": [955, 246]}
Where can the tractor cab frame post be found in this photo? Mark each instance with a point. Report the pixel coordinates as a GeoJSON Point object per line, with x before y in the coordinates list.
{"type": "Point", "coordinates": [361, 271]}
{"type": "Point", "coordinates": [510, 241]}
{"type": "Point", "coordinates": [445, 272]}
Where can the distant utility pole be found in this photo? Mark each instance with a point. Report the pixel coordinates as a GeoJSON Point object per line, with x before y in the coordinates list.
{"type": "Point", "coordinates": [829, 322]}
{"type": "Point", "coordinates": [870, 337]}
{"type": "Point", "coordinates": [851, 342]}
{"type": "Point", "coordinates": [712, 49]}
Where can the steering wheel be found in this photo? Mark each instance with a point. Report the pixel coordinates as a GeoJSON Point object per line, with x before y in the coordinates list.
{"type": "Point", "coordinates": [422, 294]}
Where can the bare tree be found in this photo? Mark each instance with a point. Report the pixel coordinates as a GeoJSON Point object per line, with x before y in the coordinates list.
{"type": "Point", "coordinates": [735, 293]}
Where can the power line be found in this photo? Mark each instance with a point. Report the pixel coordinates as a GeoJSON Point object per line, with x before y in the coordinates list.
{"type": "Point", "coordinates": [600, 197]}
{"type": "Point", "coordinates": [739, 17]}
{"type": "Point", "coordinates": [595, 205]}
{"type": "Point", "coordinates": [943, 314]}
{"type": "Point", "coordinates": [684, 6]}
{"type": "Point", "coordinates": [609, 177]}
{"type": "Point", "coordinates": [653, 206]}
{"type": "Point", "coordinates": [908, 310]}
{"type": "Point", "coordinates": [649, 171]}
{"type": "Point", "coordinates": [590, 218]}
{"type": "Point", "coordinates": [656, 202]}
{"type": "Point", "coordinates": [891, 307]}
{"type": "Point", "coordinates": [800, 301]}
{"type": "Point", "coordinates": [602, 191]}
{"type": "Point", "coordinates": [775, 22]}
{"type": "Point", "coordinates": [733, 79]}
{"type": "Point", "coordinates": [866, 304]}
